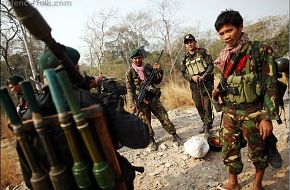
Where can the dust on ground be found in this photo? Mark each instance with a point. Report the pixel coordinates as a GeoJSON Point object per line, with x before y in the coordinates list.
{"type": "Point", "coordinates": [169, 168]}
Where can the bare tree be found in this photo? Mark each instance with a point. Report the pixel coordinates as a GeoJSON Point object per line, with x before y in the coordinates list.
{"type": "Point", "coordinates": [166, 12]}
{"type": "Point", "coordinates": [95, 34]}
{"type": "Point", "coordinates": [140, 24]}
{"type": "Point", "coordinates": [9, 31]}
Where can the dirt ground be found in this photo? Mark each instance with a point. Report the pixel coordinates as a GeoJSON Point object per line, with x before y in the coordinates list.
{"type": "Point", "coordinates": [169, 168]}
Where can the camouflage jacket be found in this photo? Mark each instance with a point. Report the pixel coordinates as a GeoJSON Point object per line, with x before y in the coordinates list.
{"type": "Point", "coordinates": [255, 62]}
{"type": "Point", "coordinates": [200, 53]}
{"type": "Point", "coordinates": [133, 82]}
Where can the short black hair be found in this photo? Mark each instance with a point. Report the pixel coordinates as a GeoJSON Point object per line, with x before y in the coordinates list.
{"type": "Point", "coordinates": [15, 79]}
{"type": "Point", "coordinates": [228, 16]}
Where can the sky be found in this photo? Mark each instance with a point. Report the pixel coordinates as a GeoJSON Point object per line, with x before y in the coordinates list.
{"type": "Point", "coordinates": [68, 21]}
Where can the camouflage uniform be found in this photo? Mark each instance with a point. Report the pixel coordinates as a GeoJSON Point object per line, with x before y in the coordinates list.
{"type": "Point", "coordinates": [155, 106]}
{"type": "Point", "coordinates": [255, 77]}
{"type": "Point", "coordinates": [199, 93]}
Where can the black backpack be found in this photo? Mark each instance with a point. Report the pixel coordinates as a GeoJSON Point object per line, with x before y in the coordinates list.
{"type": "Point", "coordinates": [113, 85]}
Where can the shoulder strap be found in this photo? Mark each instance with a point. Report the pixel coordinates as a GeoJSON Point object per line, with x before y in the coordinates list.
{"type": "Point", "coordinates": [255, 53]}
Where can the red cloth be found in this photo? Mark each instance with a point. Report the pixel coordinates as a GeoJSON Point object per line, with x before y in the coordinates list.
{"type": "Point", "coordinates": [242, 63]}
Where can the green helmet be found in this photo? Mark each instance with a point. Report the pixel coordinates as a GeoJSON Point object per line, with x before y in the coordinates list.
{"type": "Point", "coordinates": [14, 79]}
{"type": "Point", "coordinates": [48, 60]}
{"type": "Point", "coordinates": [282, 65]}
{"type": "Point", "coordinates": [135, 52]}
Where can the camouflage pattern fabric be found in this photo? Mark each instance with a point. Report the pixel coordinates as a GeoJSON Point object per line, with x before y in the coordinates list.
{"type": "Point", "coordinates": [202, 102]}
{"type": "Point", "coordinates": [155, 106]}
{"type": "Point", "coordinates": [245, 117]}
{"type": "Point", "coordinates": [233, 125]}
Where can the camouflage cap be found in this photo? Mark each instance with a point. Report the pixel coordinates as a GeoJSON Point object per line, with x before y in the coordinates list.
{"type": "Point", "coordinates": [14, 80]}
{"type": "Point", "coordinates": [189, 37]}
{"type": "Point", "coordinates": [48, 60]}
{"type": "Point", "coordinates": [135, 52]}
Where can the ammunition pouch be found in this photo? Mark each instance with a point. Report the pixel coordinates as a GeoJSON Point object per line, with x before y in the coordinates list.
{"type": "Point", "coordinates": [249, 88]}
{"type": "Point", "coordinates": [196, 66]}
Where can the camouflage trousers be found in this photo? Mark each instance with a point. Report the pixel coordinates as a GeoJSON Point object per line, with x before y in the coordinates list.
{"type": "Point", "coordinates": [158, 110]}
{"type": "Point", "coordinates": [202, 101]}
{"type": "Point", "coordinates": [233, 126]}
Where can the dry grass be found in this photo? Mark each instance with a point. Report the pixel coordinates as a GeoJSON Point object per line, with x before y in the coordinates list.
{"type": "Point", "coordinates": [176, 95]}
{"type": "Point", "coordinates": [5, 131]}
{"type": "Point", "coordinates": [9, 162]}
{"type": "Point", "coordinates": [9, 174]}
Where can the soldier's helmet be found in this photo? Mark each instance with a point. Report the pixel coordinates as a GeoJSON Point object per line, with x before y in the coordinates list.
{"type": "Point", "coordinates": [282, 65]}
{"type": "Point", "coordinates": [48, 60]}
{"type": "Point", "coordinates": [14, 79]}
{"type": "Point", "coordinates": [188, 37]}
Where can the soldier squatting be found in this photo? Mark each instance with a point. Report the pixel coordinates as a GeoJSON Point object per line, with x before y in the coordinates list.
{"type": "Point", "coordinates": [247, 95]}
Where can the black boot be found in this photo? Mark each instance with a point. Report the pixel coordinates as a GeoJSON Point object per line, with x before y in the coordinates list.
{"type": "Point", "coordinates": [274, 157]}
{"type": "Point", "coordinates": [153, 145]}
{"type": "Point", "coordinates": [176, 138]}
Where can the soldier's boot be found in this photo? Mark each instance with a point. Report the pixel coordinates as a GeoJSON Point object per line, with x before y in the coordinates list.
{"type": "Point", "coordinates": [274, 157]}
{"type": "Point", "coordinates": [176, 138]}
{"type": "Point", "coordinates": [202, 129]}
{"type": "Point", "coordinates": [153, 145]}
{"type": "Point", "coordinates": [207, 130]}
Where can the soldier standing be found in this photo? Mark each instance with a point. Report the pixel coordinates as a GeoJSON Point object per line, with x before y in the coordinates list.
{"type": "Point", "coordinates": [15, 88]}
{"type": "Point", "coordinates": [197, 67]}
{"type": "Point", "coordinates": [249, 97]}
{"type": "Point", "coordinates": [135, 77]}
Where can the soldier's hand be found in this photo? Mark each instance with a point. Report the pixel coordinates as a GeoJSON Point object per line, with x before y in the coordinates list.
{"type": "Point", "coordinates": [156, 66]}
{"type": "Point", "coordinates": [266, 128]}
{"type": "Point", "coordinates": [195, 78]}
{"type": "Point", "coordinates": [146, 101]}
{"type": "Point", "coordinates": [134, 109]}
{"type": "Point", "coordinates": [200, 79]}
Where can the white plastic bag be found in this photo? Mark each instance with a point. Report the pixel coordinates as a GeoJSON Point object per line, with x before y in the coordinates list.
{"type": "Point", "coordinates": [196, 146]}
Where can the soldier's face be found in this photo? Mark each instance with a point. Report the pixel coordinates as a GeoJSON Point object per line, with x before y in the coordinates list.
{"type": "Point", "coordinates": [137, 60]}
{"type": "Point", "coordinates": [190, 45]}
{"type": "Point", "coordinates": [15, 88]}
{"type": "Point", "coordinates": [230, 34]}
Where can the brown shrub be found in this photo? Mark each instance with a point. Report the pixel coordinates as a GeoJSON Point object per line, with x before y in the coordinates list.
{"type": "Point", "coordinates": [176, 95]}
{"type": "Point", "coordinates": [9, 171]}
{"type": "Point", "coordinates": [5, 131]}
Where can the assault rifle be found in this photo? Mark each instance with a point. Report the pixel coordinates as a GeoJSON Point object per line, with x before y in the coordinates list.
{"type": "Point", "coordinates": [147, 86]}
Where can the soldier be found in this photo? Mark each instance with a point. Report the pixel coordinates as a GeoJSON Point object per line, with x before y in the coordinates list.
{"type": "Point", "coordinates": [197, 67]}
{"type": "Point", "coordinates": [249, 97]}
{"type": "Point", "coordinates": [118, 121]}
{"type": "Point", "coordinates": [137, 75]}
{"type": "Point", "coordinates": [15, 88]}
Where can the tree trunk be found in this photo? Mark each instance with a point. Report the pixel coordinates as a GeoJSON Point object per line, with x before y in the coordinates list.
{"type": "Point", "coordinates": [31, 60]}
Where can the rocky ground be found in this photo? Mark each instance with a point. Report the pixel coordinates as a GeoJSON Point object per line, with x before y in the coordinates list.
{"type": "Point", "coordinates": [169, 168]}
